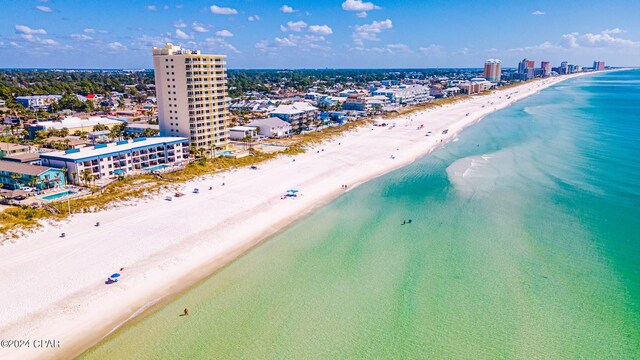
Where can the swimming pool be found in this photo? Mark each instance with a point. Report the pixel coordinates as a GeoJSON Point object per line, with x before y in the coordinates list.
{"type": "Point", "coordinates": [59, 195]}
{"type": "Point", "coordinates": [156, 168]}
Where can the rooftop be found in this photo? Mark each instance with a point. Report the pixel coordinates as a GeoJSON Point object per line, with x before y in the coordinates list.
{"type": "Point", "coordinates": [76, 122]}
{"type": "Point", "coordinates": [9, 147]}
{"type": "Point", "coordinates": [104, 149]}
{"type": "Point", "coordinates": [24, 157]}
{"type": "Point", "coordinates": [243, 128]}
{"type": "Point", "coordinates": [295, 108]}
{"type": "Point", "coordinates": [20, 168]}
{"type": "Point", "coordinates": [270, 122]}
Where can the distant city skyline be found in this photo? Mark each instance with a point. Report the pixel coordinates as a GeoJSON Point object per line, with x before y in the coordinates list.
{"type": "Point", "coordinates": [333, 34]}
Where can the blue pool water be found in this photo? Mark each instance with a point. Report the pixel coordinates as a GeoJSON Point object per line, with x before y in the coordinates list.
{"type": "Point", "coordinates": [156, 168]}
{"type": "Point", "coordinates": [58, 195]}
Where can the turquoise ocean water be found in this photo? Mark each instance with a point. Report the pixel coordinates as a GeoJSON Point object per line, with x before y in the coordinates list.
{"type": "Point", "coordinates": [524, 243]}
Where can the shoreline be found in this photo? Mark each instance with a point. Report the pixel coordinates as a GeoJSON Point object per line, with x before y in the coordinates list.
{"type": "Point", "coordinates": [185, 247]}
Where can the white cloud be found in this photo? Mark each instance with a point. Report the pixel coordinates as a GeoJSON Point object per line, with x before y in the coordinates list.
{"type": "Point", "coordinates": [201, 28]}
{"type": "Point", "coordinates": [254, 18]}
{"type": "Point", "coordinates": [430, 50]}
{"type": "Point", "coordinates": [291, 40]}
{"type": "Point", "coordinates": [116, 46]}
{"type": "Point", "coordinates": [461, 52]}
{"type": "Point", "coordinates": [538, 12]}
{"type": "Point", "coordinates": [182, 35]}
{"type": "Point", "coordinates": [604, 39]}
{"type": "Point", "coordinates": [90, 31]}
{"type": "Point", "coordinates": [613, 31]}
{"type": "Point", "coordinates": [150, 8]}
{"type": "Point", "coordinates": [391, 49]}
{"type": "Point", "coordinates": [180, 24]}
{"type": "Point", "coordinates": [222, 10]}
{"type": "Point", "coordinates": [81, 37]}
{"type": "Point", "coordinates": [24, 29]}
{"type": "Point", "coordinates": [399, 48]}
{"type": "Point", "coordinates": [307, 42]}
{"type": "Point", "coordinates": [38, 40]}
{"type": "Point", "coordinates": [370, 31]}
{"type": "Point", "coordinates": [224, 33]}
{"type": "Point", "coordinates": [166, 7]}
{"type": "Point", "coordinates": [287, 9]}
{"type": "Point", "coordinates": [48, 42]}
{"type": "Point", "coordinates": [320, 29]}
{"type": "Point", "coordinates": [145, 42]}
{"type": "Point", "coordinates": [360, 6]}
{"type": "Point", "coordinates": [221, 44]}
{"type": "Point", "coordinates": [44, 8]}
{"type": "Point", "coordinates": [545, 46]}
{"type": "Point", "coordinates": [263, 45]}
{"type": "Point", "coordinates": [296, 26]}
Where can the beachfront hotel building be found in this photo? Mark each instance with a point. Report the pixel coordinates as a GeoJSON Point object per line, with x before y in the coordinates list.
{"type": "Point", "coordinates": [190, 89]}
{"type": "Point", "coordinates": [492, 70]}
{"type": "Point", "coordinates": [546, 68]}
{"type": "Point", "coordinates": [300, 115]}
{"type": "Point", "coordinates": [598, 65]}
{"type": "Point", "coordinates": [121, 158]}
{"type": "Point", "coordinates": [526, 69]}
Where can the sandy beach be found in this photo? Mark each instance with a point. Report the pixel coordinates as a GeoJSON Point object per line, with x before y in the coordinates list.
{"type": "Point", "coordinates": [54, 288]}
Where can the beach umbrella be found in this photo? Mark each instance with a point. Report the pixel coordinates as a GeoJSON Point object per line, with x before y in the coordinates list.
{"type": "Point", "coordinates": [115, 275]}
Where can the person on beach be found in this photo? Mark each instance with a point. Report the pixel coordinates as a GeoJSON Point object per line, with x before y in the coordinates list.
{"type": "Point", "coordinates": [186, 312]}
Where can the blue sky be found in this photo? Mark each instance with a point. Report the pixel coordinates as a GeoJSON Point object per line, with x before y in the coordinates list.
{"type": "Point", "coordinates": [319, 33]}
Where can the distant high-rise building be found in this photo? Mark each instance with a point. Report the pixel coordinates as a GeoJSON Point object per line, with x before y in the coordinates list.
{"type": "Point", "coordinates": [191, 89]}
{"type": "Point", "coordinates": [526, 69]}
{"type": "Point", "coordinates": [564, 67]}
{"type": "Point", "coordinates": [492, 70]}
{"type": "Point", "coordinates": [546, 68]}
{"type": "Point", "coordinates": [598, 65]}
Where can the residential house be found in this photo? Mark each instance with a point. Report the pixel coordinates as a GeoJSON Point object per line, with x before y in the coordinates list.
{"type": "Point", "coordinates": [300, 115]}
{"type": "Point", "coordinates": [8, 149]}
{"type": "Point", "coordinates": [242, 132]}
{"type": "Point", "coordinates": [272, 127]}
{"type": "Point", "coordinates": [14, 175]}
{"type": "Point", "coordinates": [38, 101]}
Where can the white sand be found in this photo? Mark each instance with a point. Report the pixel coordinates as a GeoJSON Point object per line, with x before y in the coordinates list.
{"type": "Point", "coordinates": [53, 288]}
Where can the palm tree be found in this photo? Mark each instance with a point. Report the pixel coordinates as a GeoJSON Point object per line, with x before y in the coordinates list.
{"type": "Point", "coordinates": [64, 171]}
{"type": "Point", "coordinates": [73, 177]}
{"type": "Point", "coordinates": [214, 150]}
{"type": "Point", "coordinates": [202, 151]}
{"type": "Point", "coordinates": [86, 176]}
{"type": "Point", "coordinates": [15, 177]}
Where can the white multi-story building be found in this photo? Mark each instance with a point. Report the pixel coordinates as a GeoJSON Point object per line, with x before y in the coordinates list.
{"type": "Point", "coordinates": [121, 158]}
{"type": "Point", "coordinates": [405, 94]}
{"type": "Point", "coordinates": [190, 89]}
